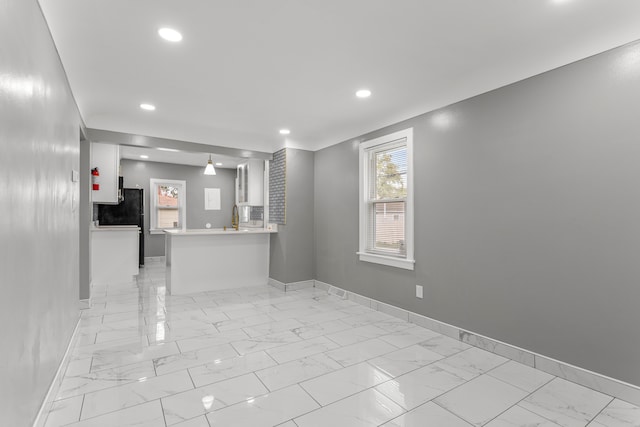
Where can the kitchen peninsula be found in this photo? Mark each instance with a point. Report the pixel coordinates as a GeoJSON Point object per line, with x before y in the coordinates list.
{"type": "Point", "coordinates": [213, 259]}
{"type": "Point", "coordinates": [114, 253]}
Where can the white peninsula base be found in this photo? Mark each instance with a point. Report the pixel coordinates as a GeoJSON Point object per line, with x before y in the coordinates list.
{"type": "Point", "coordinates": [114, 253]}
{"type": "Point", "coordinates": [207, 260]}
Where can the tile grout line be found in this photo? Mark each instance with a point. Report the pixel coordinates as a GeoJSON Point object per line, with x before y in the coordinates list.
{"type": "Point", "coordinates": [534, 413]}
{"type": "Point", "coordinates": [441, 394]}
{"type": "Point", "coordinates": [162, 409]}
{"type": "Point", "coordinates": [320, 406]}
{"type": "Point", "coordinates": [270, 357]}
{"type": "Point", "coordinates": [600, 411]}
{"type": "Point", "coordinates": [462, 384]}
{"type": "Point", "coordinates": [262, 382]}
{"type": "Point", "coordinates": [525, 397]}
{"type": "Point", "coordinates": [451, 412]}
{"type": "Point", "coordinates": [81, 408]}
{"type": "Point", "coordinates": [515, 404]}
{"type": "Point", "coordinates": [191, 378]}
{"type": "Point", "coordinates": [404, 411]}
{"type": "Point", "coordinates": [512, 385]}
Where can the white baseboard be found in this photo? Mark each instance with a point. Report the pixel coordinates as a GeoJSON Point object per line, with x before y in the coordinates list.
{"type": "Point", "coordinates": [54, 387]}
{"type": "Point", "coordinates": [332, 290]}
{"type": "Point", "coordinates": [277, 284]}
{"type": "Point", "coordinates": [321, 285]}
{"type": "Point", "coordinates": [611, 386]}
{"type": "Point", "coordinates": [293, 286]}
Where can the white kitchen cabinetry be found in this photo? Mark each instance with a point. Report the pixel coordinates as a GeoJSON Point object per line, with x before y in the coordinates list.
{"type": "Point", "coordinates": [106, 157]}
{"type": "Point", "coordinates": [250, 183]}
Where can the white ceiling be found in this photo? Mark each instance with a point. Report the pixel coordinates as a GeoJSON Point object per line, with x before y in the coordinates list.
{"type": "Point", "coordinates": [180, 157]}
{"type": "Point", "coordinates": [247, 68]}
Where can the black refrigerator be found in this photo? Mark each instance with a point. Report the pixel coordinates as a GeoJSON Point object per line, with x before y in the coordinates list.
{"type": "Point", "coordinates": [129, 211]}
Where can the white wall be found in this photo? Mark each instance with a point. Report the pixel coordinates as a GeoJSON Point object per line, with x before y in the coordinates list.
{"type": "Point", "coordinates": [39, 141]}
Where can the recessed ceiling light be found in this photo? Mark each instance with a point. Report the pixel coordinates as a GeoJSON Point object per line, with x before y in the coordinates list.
{"type": "Point", "coordinates": [168, 149]}
{"type": "Point", "coordinates": [144, 156]}
{"type": "Point", "coordinates": [363, 93]}
{"type": "Point", "coordinates": [170, 34]}
{"type": "Point", "coordinates": [285, 131]}
{"type": "Point", "coordinates": [218, 164]}
{"type": "Point", "coordinates": [148, 107]}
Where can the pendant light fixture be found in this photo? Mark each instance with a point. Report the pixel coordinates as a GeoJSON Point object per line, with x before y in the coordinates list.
{"type": "Point", "coordinates": [209, 170]}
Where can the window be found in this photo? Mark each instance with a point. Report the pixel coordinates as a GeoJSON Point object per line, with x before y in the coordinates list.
{"type": "Point", "coordinates": [386, 200]}
{"type": "Point", "coordinates": [168, 201]}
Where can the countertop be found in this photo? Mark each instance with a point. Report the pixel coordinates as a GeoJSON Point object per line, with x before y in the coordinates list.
{"type": "Point", "coordinates": [218, 231]}
{"type": "Point", "coordinates": [116, 228]}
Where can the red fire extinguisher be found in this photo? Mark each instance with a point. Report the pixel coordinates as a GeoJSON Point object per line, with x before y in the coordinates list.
{"type": "Point", "coordinates": [95, 179]}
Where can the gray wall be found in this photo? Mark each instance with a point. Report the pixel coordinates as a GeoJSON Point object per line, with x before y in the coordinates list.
{"type": "Point", "coordinates": [527, 215]}
{"type": "Point", "coordinates": [39, 136]}
{"type": "Point", "coordinates": [137, 173]}
{"type": "Point", "coordinates": [86, 215]}
{"type": "Point", "coordinates": [291, 249]}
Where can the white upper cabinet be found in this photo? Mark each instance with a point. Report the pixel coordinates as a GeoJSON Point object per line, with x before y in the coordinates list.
{"type": "Point", "coordinates": [250, 183]}
{"type": "Point", "coordinates": [105, 157]}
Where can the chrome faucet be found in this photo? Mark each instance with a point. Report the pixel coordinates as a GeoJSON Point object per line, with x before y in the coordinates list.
{"type": "Point", "coordinates": [235, 217]}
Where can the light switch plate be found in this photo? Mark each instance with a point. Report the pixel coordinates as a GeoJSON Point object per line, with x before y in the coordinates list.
{"type": "Point", "coordinates": [75, 176]}
{"type": "Point", "coordinates": [419, 291]}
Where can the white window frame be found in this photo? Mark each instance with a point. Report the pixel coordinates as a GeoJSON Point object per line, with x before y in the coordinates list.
{"type": "Point", "coordinates": [182, 203]}
{"type": "Point", "coordinates": [407, 261]}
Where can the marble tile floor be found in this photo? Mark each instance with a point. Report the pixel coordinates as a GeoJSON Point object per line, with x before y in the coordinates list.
{"type": "Point", "coordinates": [261, 357]}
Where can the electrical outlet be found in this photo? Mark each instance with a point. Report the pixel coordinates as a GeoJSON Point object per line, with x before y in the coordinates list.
{"type": "Point", "coordinates": [418, 291]}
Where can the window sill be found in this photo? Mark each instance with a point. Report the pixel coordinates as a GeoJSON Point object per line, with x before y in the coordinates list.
{"type": "Point", "coordinates": [403, 263]}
